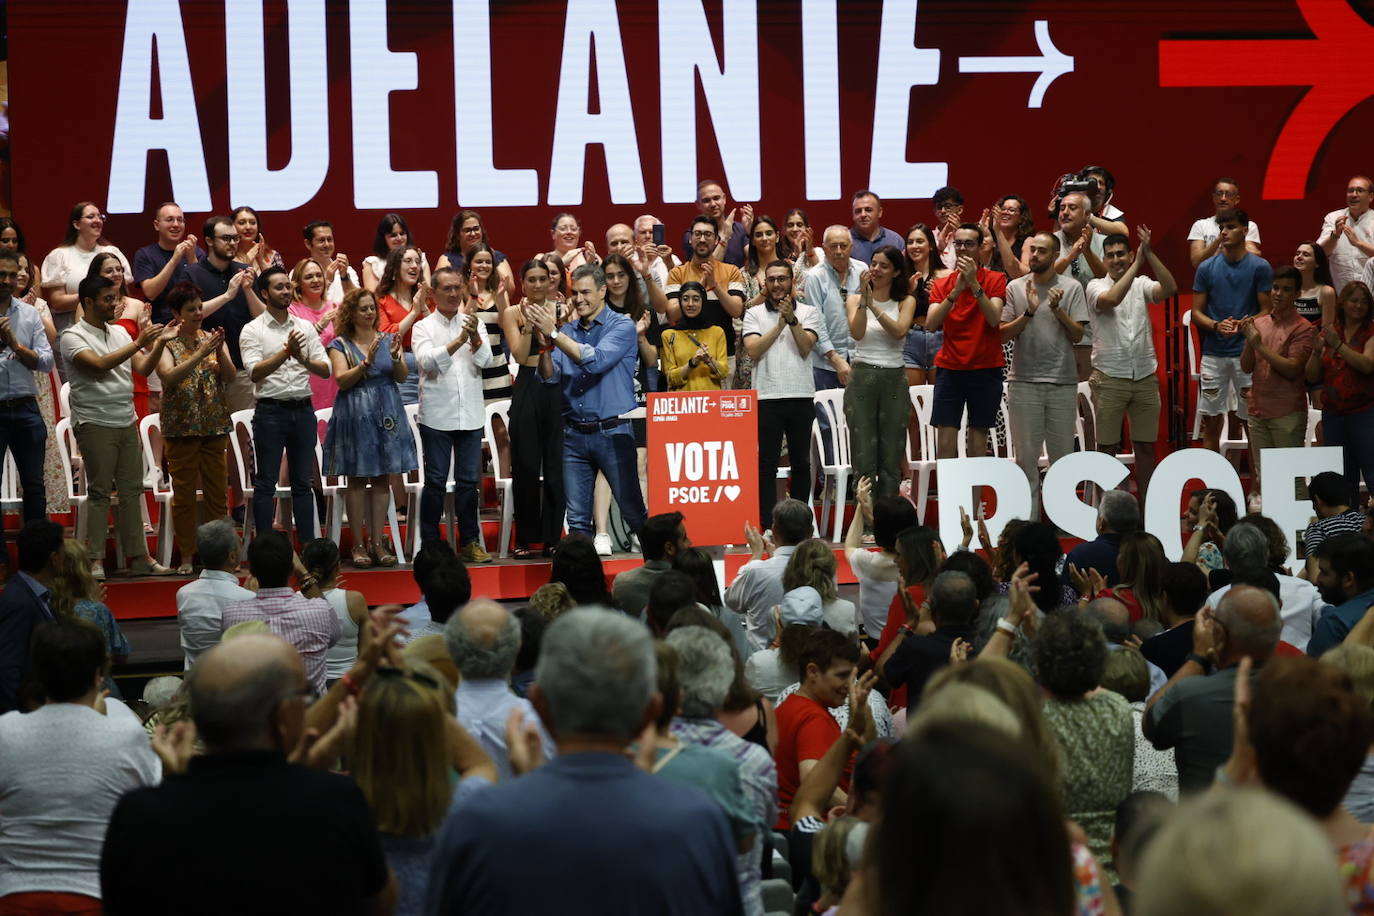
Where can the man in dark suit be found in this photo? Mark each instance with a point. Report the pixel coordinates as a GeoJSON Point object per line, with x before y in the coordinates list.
{"type": "Point", "coordinates": [26, 602]}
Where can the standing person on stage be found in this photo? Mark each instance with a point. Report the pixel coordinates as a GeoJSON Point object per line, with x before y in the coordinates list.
{"type": "Point", "coordinates": [967, 306]}
{"type": "Point", "coordinates": [162, 265]}
{"type": "Point", "coordinates": [67, 265]}
{"type": "Point", "coordinates": [1011, 225]}
{"type": "Point", "coordinates": [402, 300]}
{"type": "Point", "coordinates": [451, 349]}
{"type": "Point", "coordinates": [1042, 387]}
{"type": "Point", "coordinates": [1228, 288]}
{"type": "Point", "coordinates": [487, 300]}
{"type": "Point", "coordinates": [1342, 362]}
{"type": "Point", "coordinates": [827, 288]}
{"type": "Point", "coordinates": [1316, 296]}
{"type": "Point", "coordinates": [566, 231]}
{"type": "Point", "coordinates": [227, 299]}
{"type": "Point", "coordinates": [779, 335]}
{"type": "Point", "coordinates": [368, 439]}
{"type": "Point", "coordinates": [253, 249]}
{"type": "Point", "coordinates": [693, 350]}
{"type": "Point", "coordinates": [100, 355]}
{"type": "Point", "coordinates": [536, 423]}
{"type": "Point", "coordinates": [1204, 239]}
{"type": "Point", "coordinates": [594, 358]}
{"type": "Point", "coordinates": [876, 402]}
{"type": "Point", "coordinates": [723, 282]}
{"type": "Point", "coordinates": [339, 278]}
{"type": "Point", "coordinates": [731, 234]}
{"type": "Point", "coordinates": [867, 234]}
{"type": "Point", "coordinates": [924, 267]}
{"type": "Point", "coordinates": [465, 231]}
{"type": "Point", "coordinates": [1124, 384]}
{"type": "Point", "coordinates": [1347, 234]}
{"type": "Point", "coordinates": [1277, 347]}
{"type": "Point", "coordinates": [195, 369]}
{"type": "Point", "coordinates": [281, 352]}
{"type": "Point", "coordinates": [24, 350]}
{"type": "Point", "coordinates": [308, 281]}
{"type": "Point", "coordinates": [392, 233]}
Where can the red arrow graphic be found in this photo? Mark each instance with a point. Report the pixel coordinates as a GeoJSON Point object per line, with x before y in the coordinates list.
{"type": "Point", "coordinates": [1336, 64]}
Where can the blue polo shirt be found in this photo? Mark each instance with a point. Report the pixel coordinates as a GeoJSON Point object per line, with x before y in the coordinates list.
{"type": "Point", "coordinates": [863, 248]}
{"type": "Point", "coordinates": [1336, 623]}
{"type": "Point", "coordinates": [1232, 288]}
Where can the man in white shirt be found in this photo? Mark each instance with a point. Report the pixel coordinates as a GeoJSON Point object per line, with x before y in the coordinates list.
{"type": "Point", "coordinates": [483, 639]}
{"type": "Point", "coordinates": [99, 355]}
{"type": "Point", "coordinates": [1204, 239]}
{"type": "Point", "coordinates": [451, 353]}
{"type": "Point", "coordinates": [1042, 386]}
{"type": "Point", "coordinates": [1347, 234]}
{"type": "Point", "coordinates": [281, 351]}
{"type": "Point", "coordinates": [758, 585]}
{"type": "Point", "coordinates": [778, 336]}
{"type": "Point", "coordinates": [339, 278]}
{"type": "Point", "coordinates": [201, 602]}
{"type": "Point", "coordinates": [1123, 381]}
{"type": "Point", "coordinates": [1301, 603]}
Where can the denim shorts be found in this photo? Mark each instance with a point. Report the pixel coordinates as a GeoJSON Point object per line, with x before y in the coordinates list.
{"type": "Point", "coordinates": [920, 348]}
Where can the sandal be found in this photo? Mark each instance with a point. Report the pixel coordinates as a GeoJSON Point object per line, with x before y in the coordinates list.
{"type": "Point", "coordinates": [525, 553]}
{"type": "Point", "coordinates": [383, 556]}
{"type": "Point", "coordinates": [361, 558]}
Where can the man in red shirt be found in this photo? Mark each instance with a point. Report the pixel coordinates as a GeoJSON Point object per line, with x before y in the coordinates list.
{"type": "Point", "coordinates": [806, 729]}
{"type": "Point", "coordinates": [968, 305]}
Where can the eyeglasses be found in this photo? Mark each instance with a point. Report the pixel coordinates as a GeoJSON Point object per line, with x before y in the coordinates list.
{"type": "Point", "coordinates": [703, 234]}
{"type": "Point", "coordinates": [97, 217]}
{"type": "Point", "coordinates": [227, 238]}
{"type": "Point", "coordinates": [1226, 195]}
{"type": "Point", "coordinates": [965, 243]}
{"type": "Point", "coordinates": [394, 673]}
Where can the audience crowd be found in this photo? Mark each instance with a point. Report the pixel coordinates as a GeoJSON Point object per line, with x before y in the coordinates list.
{"type": "Point", "coordinates": [987, 727]}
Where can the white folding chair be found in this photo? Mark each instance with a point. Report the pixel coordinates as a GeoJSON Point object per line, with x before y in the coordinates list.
{"type": "Point", "coordinates": [160, 488]}
{"type": "Point", "coordinates": [1314, 417]}
{"type": "Point", "coordinates": [332, 485]}
{"type": "Point", "coordinates": [835, 466]}
{"type": "Point", "coordinates": [11, 497]}
{"type": "Point", "coordinates": [73, 473]}
{"type": "Point", "coordinates": [922, 401]}
{"type": "Point", "coordinates": [245, 460]}
{"type": "Point", "coordinates": [1194, 368]}
{"type": "Point", "coordinates": [500, 470]}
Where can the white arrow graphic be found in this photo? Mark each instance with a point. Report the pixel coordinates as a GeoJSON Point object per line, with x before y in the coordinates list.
{"type": "Point", "coordinates": [1051, 64]}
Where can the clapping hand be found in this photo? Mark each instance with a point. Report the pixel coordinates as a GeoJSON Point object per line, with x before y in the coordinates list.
{"type": "Point", "coordinates": [1249, 331]}
{"type": "Point", "coordinates": [295, 345]}
{"type": "Point", "coordinates": [540, 316]}
{"type": "Point", "coordinates": [966, 526]}
{"type": "Point", "coordinates": [860, 687]}
{"type": "Point", "coordinates": [395, 349]}
{"type": "Point", "coordinates": [1019, 591]}
{"type": "Point", "coordinates": [212, 342]}
{"type": "Point", "coordinates": [1143, 233]}
{"type": "Point", "coordinates": [370, 356]}
{"type": "Point", "coordinates": [589, 253]}
{"type": "Point", "coordinates": [1056, 296]}
{"type": "Point", "coordinates": [708, 275]}
{"type": "Point", "coordinates": [523, 747]}
{"type": "Point", "coordinates": [175, 745]}
{"type": "Point", "coordinates": [863, 495]}
{"type": "Point", "coordinates": [702, 357]}
{"type": "Point", "coordinates": [758, 545]}
{"type": "Point", "coordinates": [786, 309]}
{"type": "Point", "coordinates": [1330, 336]}
{"type": "Point", "coordinates": [169, 331]}
{"type": "Point", "coordinates": [6, 332]}
{"type": "Point", "coordinates": [959, 650]}
{"type": "Point", "coordinates": [148, 334]}
{"type": "Point", "coordinates": [1227, 327]}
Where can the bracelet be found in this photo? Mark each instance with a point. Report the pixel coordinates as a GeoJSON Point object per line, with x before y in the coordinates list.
{"type": "Point", "coordinates": [1006, 626]}
{"type": "Point", "coordinates": [307, 582]}
{"type": "Point", "coordinates": [906, 630]}
{"type": "Point", "coordinates": [352, 685]}
{"type": "Point", "coordinates": [1201, 662]}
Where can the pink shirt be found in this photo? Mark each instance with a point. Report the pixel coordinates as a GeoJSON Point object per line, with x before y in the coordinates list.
{"type": "Point", "coordinates": [322, 390]}
{"type": "Point", "coordinates": [1271, 395]}
{"type": "Point", "coordinates": [309, 624]}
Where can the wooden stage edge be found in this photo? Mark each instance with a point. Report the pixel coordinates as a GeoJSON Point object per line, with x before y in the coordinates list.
{"type": "Point", "coordinates": [504, 580]}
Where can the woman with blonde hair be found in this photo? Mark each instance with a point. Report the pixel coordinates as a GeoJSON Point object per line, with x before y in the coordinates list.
{"type": "Point", "coordinates": [813, 563]}
{"type": "Point", "coordinates": [1011, 684]}
{"type": "Point", "coordinates": [1357, 661]}
{"type": "Point", "coordinates": [368, 439]}
{"type": "Point", "coordinates": [405, 749]}
{"type": "Point", "coordinates": [308, 280]}
{"type": "Point", "coordinates": [1141, 562]}
{"type": "Point", "coordinates": [76, 594]}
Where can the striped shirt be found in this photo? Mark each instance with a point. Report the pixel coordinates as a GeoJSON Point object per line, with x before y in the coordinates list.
{"type": "Point", "coordinates": [759, 777]}
{"type": "Point", "coordinates": [1348, 522]}
{"type": "Point", "coordinates": [309, 624]}
{"type": "Point", "coordinates": [497, 382]}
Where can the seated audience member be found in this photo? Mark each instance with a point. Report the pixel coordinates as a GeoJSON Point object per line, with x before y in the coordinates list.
{"type": "Point", "coordinates": [920, 556]}
{"type": "Point", "coordinates": [304, 618]}
{"type": "Point", "coordinates": [1185, 592]}
{"type": "Point", "coordinates": [1211, 513]}
{"type": "Point", "coordinates": [578, 566]}
{"type": "Point", "coordinates": [806, 729]}
{"type": "Point", "coordinates": [672, 591]}
{"type": "Point", "coordinates": [483, 639]}
{"type": "Point", "coordinates": [62, 769]}
{"type": "Point", "coordinates": [550, 600]}
{"type": "Point", "coordinates": [706, 671]}
{"type": "Point", "coordinates": [201, 602]}
{"type": "Point", "coordinates": [1138, 819]}
{"type": "Point", "coordinates": [1000, 815]}
{"type": "Point", "coordinates": [1357, 663]}
{"type": "Point", "coordinates": [877, 570]}
{"type": "Point", "coordinates": [757, 587]}
{"type": "Point", "coordinates": [830, 862]}
{"type": "Point", "coordinates": [813, 563]}
{"type": "Point", "coordinates": [1127, 673]}
{"type": "Point", "coordinates": [1140, 565]}
{"type": "Point", "coordinates": [1117, 515]}
{"type": "Point", "coordinates": [432, 554]}
{"type": "Point", "coordinates": [992, 606]}
{"type": "Point", "coordinates": [663, 538]}
{"type": "Point", "coordinates": [1095, 727]}
{"type": "Point", "coordinates": [26, 602]}
{"type": "Point", "coordinates": [1305, 737]}
{"type": "Point", "coordinates": [1191, 714]}
{"type": "Point", "coordinates": [444, 589]}
{"type": "Point", "coordinates": [1288, 866]}
{"type": "Point", "coordinates": [1330, 496]}
{"type": "Point", "coordinates": [532, 626]}
{"type": "Point", "coordinates": [911, 659]}
{"type": "Point", "coordinates": [75, 593]}
{"type": "Point", "coordinates": [1247, 547]}
{"type": "Point", "coordinates": [246, 698]}
{"type": "Point", "coordinates": [320, 557]}
{"type": "Point", "coordinates": [405, 750]}
{"type": "Point", "coordinates": [1115, 619]}
{"type": "Point", "coordinates": [1345, 577]}
{"type": "Point", "coordinates": [595, 690]}
{"type": "Point", "coordinates": [770, 670]}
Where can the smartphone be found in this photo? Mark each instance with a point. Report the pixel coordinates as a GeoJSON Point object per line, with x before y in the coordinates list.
{"type": "Point", "coordinates": [658, 233]}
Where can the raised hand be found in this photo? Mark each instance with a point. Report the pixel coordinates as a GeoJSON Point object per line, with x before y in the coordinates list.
{"type": "Point", "coordinates": [746, 216]}
{"type": "Point", "coordinates": [523, 747]}
{"type": "Point", "coordinates": [6, 333]}
{"type": "Point", "coordinates": [753, 539]}
{"type": "Point", "coordinates": [147, 334]}
{"type": "Point", "coordinates": [708, 275]}
{"type": "Point", "coordinates": [589, 252]}
{"type": "Point", "coordinates": [212, 342]}
{"type": "Point", "coordinates": [966, 526]}
{"type": "Point", "coordinates": [395, 349]}
{"type": "Point", "coordinates": [642, 325]}
{"type": "Point", "coordinates": [866, 281]}
{"type": "Point", "coordinates": [170, 330]}
{"type": "Point", "coordinates": [1056, 296]}
{"type": "Point", "coordinates": [1142, 232]}
{"type": "Point", "coordinates": [786, 309]}
{"type": "Point", "coordinates": [175, 745]}
{"type": "Point", "coordinates": [959, 650]}
{"type": "Point", "coordinates": [1249, 331]}
{"type": "Point", "coordinates": [540, 316]}
{"type": "Point", "coordinates": [419, 303]}
{"type": "Point", "coordinates": [295, 344]}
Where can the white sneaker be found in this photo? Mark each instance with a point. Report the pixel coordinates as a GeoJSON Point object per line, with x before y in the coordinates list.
{"type": "Point", "coordinates": [603, 545]}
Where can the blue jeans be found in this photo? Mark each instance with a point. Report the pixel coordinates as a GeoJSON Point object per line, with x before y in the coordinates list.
{"type": "Point", "coordinates": [25, 434]}
{"type": "Point", "coordinates": [464, 448]}
{"type": "Point", "coordinates": [612, 452]}
{"type": "Point", "coordinates": [1354, 433]}
{"type": "Point", "coordinates": [290, 428]}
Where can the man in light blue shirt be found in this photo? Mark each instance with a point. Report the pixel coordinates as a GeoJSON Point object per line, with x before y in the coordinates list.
{"type": "Point", "coordinates": [594, 358]}
{"type": "Point", "coordinates": [866, 233]}
{"type": "Point", "coordinates": [24, 350]}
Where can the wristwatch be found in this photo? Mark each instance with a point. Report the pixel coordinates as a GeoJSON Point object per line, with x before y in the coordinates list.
{"type": "Point", "coordinates": [792, 323]}
{"type": "Point", "coordinates": [553, 335]}
{"type": "Point", "coordinates": [1202, 662]}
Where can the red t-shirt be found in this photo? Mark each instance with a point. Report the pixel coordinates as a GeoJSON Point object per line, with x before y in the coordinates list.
{"type": "Point", "coordinates": [806, 730]}
{"type": "Point", "coordinates": [390, 314]}
{"type": "Point", "coordinates": [970, 342]}
{"type": "Point", "coordinates": [896, 616]}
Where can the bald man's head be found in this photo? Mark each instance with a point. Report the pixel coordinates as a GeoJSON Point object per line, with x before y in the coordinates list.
{"type": "Point", "coordinates": [1250, 623]}
{"type": "Point", "coordinates": [237, 691]}
{"type": "Point", "coordinates": [620, 239]}
{"type": "Point", "coordinates": [483, 640]}
{"type": "Point", "coordinates": [1114, 616]}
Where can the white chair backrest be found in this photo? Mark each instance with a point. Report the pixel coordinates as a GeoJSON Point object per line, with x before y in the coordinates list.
{"type": "Point", "coordinates": [241, 443]}
{"type": "Point", "coordinates": [64, 399]}
{"type": "Point", "coordinates": [66, 442]}
{"type": "Point", "coordinates": [1194, 359]}
{"type": "Point", "coordinates": [9, 483]}
{"type": "Point", "coordinates": [831, 401]}
{"type": "Point", "coordinates": [923, 402]}
{"type": "Point", "coordinates": [148, 427]}
{"type": "Point", "coordinates": [497, 409]}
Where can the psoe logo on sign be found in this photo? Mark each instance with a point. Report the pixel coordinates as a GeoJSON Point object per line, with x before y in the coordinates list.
{"type": "Point", "coordinates": [736, 405]}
